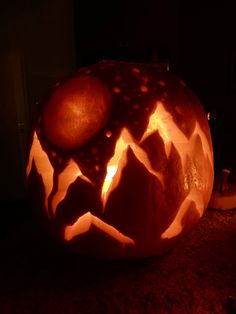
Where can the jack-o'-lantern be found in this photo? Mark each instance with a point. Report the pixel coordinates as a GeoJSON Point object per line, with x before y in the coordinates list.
{"type": "Point", "coordinates": [121, 162]}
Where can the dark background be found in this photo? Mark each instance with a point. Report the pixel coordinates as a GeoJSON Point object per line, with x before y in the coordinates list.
{"type": "Point", "coordinates": [42, 41]}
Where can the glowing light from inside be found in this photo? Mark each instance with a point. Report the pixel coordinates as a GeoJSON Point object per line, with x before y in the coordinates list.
{"type": "Point", "coordinates": [112, 166]}
{"type": "Point", "coordinates": [111, 172]}
{"type": "Point", "coordinates": [85, 222]}
{"type": "Point", "coordinates": [43, 166]}
{"type": "Point", "coordinates": [156, 123]}
{"type": "Point", "coordinates": [119, 160]}
{"type": "Point", "coordinates": [205, 144]}
{"type": "Point", "coordinates": [144, 88]}
{"type": "Point", "coordinates": [46, 171]}
{"type": "Point", "coordinates": [65, 179]}
{"type": "Point", "coordinates": [163, 121]}
{"type": "Point", "coordinates": [108, 134]}
{"type": "Point", "coordinates": [176, 226]}
{"type": "Point", "coordinates": [160, 120]}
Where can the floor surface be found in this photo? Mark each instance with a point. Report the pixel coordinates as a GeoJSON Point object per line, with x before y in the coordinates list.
{"type": "Point", "coordinates": [197, 276]}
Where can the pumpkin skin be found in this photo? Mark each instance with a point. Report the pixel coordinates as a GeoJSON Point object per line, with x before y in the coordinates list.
{"type": "Point", "coordinates": [120, 163]}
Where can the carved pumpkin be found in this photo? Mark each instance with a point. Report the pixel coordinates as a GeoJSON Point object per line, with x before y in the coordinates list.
{"type": "Point", "coordinates": [121, 161]}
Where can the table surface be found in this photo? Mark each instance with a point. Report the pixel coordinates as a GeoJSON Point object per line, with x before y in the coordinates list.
{"type": "Point", "coordinates": [197, 276]}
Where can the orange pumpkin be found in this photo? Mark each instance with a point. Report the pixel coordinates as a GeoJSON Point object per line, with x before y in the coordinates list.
{"type": "Point", "coordinates": [121, 163]}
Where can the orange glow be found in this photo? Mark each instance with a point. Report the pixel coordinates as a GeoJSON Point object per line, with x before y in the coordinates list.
{"type": "Point", "coordinates": [176, 227]}
{"type": "Point", "coordinates": [162, 121]}
{"type": "Point", "coordinates": [71, 102]}
{"type": "Point", "coordinates": [84, 224]}
{"type": "Point", "coordinates": [65, 179]}
{"type": "Point", "coordinates": [142, 156]}
{"type": "Point", "coordinates": [119, 160]}
{"type": "Point", "coordinates": [108, 134]}
{"type": "Point", "coordinates": [43, 166]}
{"type": "Point", "coordinates": [45, 170]}
{"type": "Point", "coordinates": [205, 144]}
{"type": "Point", "coordinates": [123, 161]}
{"type": "Point", "coordinates": [143, 88]}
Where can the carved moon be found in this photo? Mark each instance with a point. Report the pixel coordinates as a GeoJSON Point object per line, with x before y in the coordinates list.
{"type": "Point", "coordinates": [76, 111]}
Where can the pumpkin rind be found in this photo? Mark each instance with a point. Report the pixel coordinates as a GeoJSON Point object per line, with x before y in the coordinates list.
{"type": "Point", "coordinates": [135, 182]}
